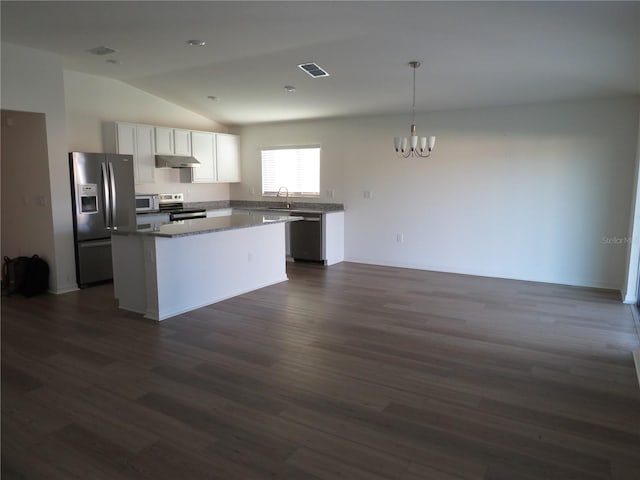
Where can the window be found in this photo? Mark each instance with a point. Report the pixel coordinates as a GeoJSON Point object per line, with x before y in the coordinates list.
{"type": "Point", "coordinates": [297, 169]}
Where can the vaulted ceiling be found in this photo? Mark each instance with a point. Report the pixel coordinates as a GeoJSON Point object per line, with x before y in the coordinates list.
{"type": "Point", "coordinates": [473, 54]}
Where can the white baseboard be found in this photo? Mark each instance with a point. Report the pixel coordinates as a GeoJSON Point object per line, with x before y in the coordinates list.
{"type": "Point", "coordinates": [65, 289]}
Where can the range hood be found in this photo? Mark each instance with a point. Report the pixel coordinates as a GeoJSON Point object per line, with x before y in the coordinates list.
{"type": "Point", "coordinates": [175, 161]}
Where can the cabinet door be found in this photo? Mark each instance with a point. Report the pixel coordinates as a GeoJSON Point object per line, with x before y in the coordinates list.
{"type": "Point", "coordinates": [182, 142]}
{"type": "Point", "coordinates": [126, 138]}
{"type": "Point", "coordinates": [126, 144]}
{"type": "Point", "coordinates": [138, 141]}
{"type": "Point", "coordinates": [164, 140]}
{"type": "Point", "coordinates": [203, 149]}
{"type": "Point", "coordinates": [144, 157]}
{"type": "Point", "coordinates": [228, 157]}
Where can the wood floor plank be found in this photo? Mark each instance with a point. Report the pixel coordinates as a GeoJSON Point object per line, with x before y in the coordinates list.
{"type": "Point", "coordinates": [328, 468]}
{"type": "Point", "coordinates": [352, 371]}
{"type": "Point", "coordinates": [482, 430]}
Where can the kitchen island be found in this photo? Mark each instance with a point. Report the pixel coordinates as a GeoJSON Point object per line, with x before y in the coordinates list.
{"type": "Point", "coordinates": [163, 270]}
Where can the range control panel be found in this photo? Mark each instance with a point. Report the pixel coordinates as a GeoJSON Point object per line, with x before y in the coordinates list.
{"type": "Point", "coordinates": [171, 197]}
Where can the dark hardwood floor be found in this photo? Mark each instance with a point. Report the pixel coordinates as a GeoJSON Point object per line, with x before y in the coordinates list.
{"type": "Point", "coordinates": [348, 372]}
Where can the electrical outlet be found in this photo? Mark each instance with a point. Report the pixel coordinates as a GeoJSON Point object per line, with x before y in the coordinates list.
{"type": "Point", "coordinates": [331, 193]}
{"type": "Point", "coordinates": [368, 194]}
{"type": "Point", "coordinates": [399, 237]}
{"type": "Point", "coordinates": [253, 191]}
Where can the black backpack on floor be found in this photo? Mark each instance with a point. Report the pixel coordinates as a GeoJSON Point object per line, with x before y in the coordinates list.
{"type": "Point", "coordinates": [26, 275]}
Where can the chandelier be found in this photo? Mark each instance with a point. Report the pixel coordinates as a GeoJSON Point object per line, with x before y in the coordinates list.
{"type": "Point", "coordinates": [413, 146]}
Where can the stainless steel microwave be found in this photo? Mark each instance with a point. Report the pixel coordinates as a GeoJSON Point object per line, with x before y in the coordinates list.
{"type": "Point", "coordinates": [148, 203]}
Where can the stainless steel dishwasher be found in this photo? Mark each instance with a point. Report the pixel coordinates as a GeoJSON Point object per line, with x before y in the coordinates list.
{"type": "Point", "coordinates": [306, 237]}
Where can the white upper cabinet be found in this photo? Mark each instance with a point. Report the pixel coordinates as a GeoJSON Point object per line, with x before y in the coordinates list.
{"type": "Point", "coordinates": [218, 153]}
{"type": "Point", "coordinates": [125, 138]}
{"type": "Point", "coordinates": [164, 140]}
{"type": "Point", "coordinates": [182, 142]}
{"type": "Point", "coordinates": [228, 157]}
{"type": "Point", "coordinates": [203, 149]}
{"type": "Point", "coordinates": [173, 141]}
{"type": "Point", "coordinates": [145, 153]}
{"type": "Point", "coordinates": [138, 140]}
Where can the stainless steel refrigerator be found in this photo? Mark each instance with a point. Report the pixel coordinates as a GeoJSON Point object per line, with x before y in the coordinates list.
{"type": "Point", "coordinates": [103, 199]}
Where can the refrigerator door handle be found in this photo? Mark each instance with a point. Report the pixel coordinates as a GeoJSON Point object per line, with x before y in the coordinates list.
{"type": "Point", "coordinates": [107, 196]}
{"type": "Point", "coordinates": [112, 184]}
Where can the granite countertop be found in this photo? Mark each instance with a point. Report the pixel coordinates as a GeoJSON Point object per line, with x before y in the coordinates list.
{"type": "Point", "coordinates": [182, 228]}
{"type": "Point", "coordinates": [265, 205]}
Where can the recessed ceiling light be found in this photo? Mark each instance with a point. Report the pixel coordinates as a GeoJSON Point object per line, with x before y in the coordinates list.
{"type": "Point", "coordinates": [102, 50]}
{"type": "Point", "coordinates": [196, 43]}
{"type": "Point", "coordinates": [213, 98]}
{"type": "Point", "coordinates": [289, 88]}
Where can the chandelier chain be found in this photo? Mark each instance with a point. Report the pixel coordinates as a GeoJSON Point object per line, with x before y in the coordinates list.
{"type": "Point", "coordinates": [413, 105]}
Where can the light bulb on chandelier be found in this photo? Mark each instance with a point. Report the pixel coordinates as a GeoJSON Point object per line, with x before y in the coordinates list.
{"type": "Point", "coordinates": [414, 146]}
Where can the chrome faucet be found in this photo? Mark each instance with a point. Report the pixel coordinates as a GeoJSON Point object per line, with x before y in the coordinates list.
{"type": "Point", "coordinates": [288, 204]}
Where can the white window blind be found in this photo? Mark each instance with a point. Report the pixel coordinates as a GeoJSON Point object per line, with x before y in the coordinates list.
{"type": "Point", "coordinates": [297, 169]}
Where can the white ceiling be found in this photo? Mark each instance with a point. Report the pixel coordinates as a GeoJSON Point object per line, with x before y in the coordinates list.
{"type": "Point", "coordinates": [474, 54]}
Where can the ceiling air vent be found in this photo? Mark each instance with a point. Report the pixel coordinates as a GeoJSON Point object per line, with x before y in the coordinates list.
{"type": "Point", "coordinates": [314, 70]}
{"type": "Point", "coordinates": [102, 50]}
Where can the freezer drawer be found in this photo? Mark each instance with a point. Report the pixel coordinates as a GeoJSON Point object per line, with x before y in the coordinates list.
{"type": "Point", "coordinates": [93, 262]}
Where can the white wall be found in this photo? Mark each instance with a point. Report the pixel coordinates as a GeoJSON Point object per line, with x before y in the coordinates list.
{"type": "Point", "coordinates": [528, 192]}
{"type": "Point", "coordinates": [91, 101]}
{"type": "Point", "coordinates": [32, 81]}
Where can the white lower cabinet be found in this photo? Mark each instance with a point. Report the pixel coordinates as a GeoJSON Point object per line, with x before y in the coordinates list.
{"type": "Point", "coordinates": [219, 212]}
{"type": "Point", "coordinates": [333, 241]}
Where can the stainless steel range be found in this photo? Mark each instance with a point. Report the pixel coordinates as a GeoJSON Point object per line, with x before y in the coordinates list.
{"type": "Point", "coordinates": [173, 204]}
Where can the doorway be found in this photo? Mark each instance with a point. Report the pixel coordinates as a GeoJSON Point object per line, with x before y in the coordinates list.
{"type": "Point", "coordinates": [26, 223]}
